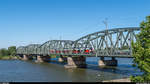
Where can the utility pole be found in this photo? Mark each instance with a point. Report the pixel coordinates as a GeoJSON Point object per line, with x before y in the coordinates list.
{"type": "Point", "coordinates": [60, 44]}
{"type": "Point", "coordinates": [106, 24]}
{"type": "Point", "coordinates": [60, 37]}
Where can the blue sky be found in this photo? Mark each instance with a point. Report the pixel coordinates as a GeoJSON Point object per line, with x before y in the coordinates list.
{"type": "Point", "coordinates": [23, 22]}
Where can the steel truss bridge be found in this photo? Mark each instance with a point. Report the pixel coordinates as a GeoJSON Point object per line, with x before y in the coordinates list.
{"type": "Point", "coordinates": [107, 43]}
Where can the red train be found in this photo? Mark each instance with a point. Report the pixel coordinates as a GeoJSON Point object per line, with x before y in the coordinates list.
{"type": "Point", "coordinates": [87, 51]}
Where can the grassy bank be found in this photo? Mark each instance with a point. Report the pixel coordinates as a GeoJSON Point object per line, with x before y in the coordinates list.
{"type": "Point", "coordinates": [8, 57]}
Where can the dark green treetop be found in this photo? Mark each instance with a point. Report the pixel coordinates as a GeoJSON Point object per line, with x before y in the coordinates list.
{"type": "Point", "coordinates": [12, 50]}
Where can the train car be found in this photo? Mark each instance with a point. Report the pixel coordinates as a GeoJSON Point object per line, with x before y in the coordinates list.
{"type": "Point", "coordinates": [52, 51]}
{"type": "Point", "coordinates": [58, 51]}
{"type": "Point", "coordinates": [66, 51]}
{"type": "Point", "coordinates": [75, 51]}
{"type": "Point", "coordinates": [88, 51]}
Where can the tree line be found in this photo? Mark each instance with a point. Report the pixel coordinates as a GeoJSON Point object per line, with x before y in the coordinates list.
{"type": "Point", "coordinates": [11, 51]}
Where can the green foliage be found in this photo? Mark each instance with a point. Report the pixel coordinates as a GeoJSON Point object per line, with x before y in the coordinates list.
{"type": "Point", "coordinates": [141, 52]}
{"type": "Point", "coordinates": [8, 53]}
{"type": "Point", "coordinates": [137, 79]}
{"type": "Point", "coordinates": [4, 52]}
{"type": "Point", "coordinates": [12, 50]}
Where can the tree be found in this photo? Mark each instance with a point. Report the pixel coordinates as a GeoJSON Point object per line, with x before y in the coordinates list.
{"type": "Point", "coordinates": [4, 52]}
{"type": "Point", "coordinates": [141, 52]}
{"type": "Point", "coordinates": [12, 50]}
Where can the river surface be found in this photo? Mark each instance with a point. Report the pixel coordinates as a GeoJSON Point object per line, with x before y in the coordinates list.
{"type": "Point", "coordinates": [29, 71]}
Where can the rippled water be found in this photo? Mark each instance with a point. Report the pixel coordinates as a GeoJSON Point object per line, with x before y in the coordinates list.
{"type": "Point", "coordinates": [29, 71]}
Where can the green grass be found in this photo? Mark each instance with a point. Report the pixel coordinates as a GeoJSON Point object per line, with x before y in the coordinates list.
{"type": "Point", "coordinates": [6, 57]}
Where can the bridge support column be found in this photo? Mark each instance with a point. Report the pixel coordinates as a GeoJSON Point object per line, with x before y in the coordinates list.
{"type": "Point", "coordinates": [24, 57]}
{"type": "Point", "coordinates": [76, 62]}
{"type": "Point", "coordinates": [103, 62]}
{"type": "Point", "coordinates": [43, 58]}
{"type": "Point", "coordinates": [62, 59]}
{"type": "Point", "coordinates": [27, 57]}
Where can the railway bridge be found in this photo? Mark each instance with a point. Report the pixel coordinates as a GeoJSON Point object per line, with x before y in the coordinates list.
{"type": "Point", "coordinates": [112, 43]}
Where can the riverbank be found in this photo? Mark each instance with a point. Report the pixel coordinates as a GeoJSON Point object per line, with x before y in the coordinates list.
{"type": "Point", "coordinates": [119, 80]}
{"type": "Point", "coordinates": [8, 57]}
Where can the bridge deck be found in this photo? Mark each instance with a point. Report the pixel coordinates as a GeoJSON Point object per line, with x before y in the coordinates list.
{"type": "Point", "coordinates": [93, 55]}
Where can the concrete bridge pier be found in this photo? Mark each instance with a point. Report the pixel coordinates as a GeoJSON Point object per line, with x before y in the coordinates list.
{"type": "Point", "coordinates": [41, 58]}
{"type": "Point", "coordinates": [76, 62]}
{"type": "Point", "coordinates": [103, 62]}
{"type": "Point", "coordinates": [62, 59]}
{"type": "Point", "coordinates": [27, 57]}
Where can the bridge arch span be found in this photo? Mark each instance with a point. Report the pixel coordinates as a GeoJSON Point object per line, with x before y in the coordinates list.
{"type": "Point", "coordinates": [111, 42]}
{"type": "Point", "coordinates": [55, 46]}
{"type": "Point", "coordinates": [32, 48]}
{"type": "Point", "coordinates": [20, 50]}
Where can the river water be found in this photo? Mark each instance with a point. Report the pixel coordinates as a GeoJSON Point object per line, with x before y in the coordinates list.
{"type": "Point", "coordinates": [29, 71]}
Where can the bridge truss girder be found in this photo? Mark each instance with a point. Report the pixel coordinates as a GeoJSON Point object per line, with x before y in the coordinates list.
{"type": "Point", "coordinates": [55, 45]}
{"type": "Point", "coordinates": [103, 43]}
{"type": "Point", "coordinates": [30, 49]}
{"type": "Point", "coordinates": [109, 42]}
{"type": "Point", "coordinates": [21, 50]}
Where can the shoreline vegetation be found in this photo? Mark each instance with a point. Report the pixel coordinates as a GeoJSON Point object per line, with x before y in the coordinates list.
{"type": "Point", "coordinates": [8, 57]}
{"type": "Point", "coordinates": [9, 53]}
